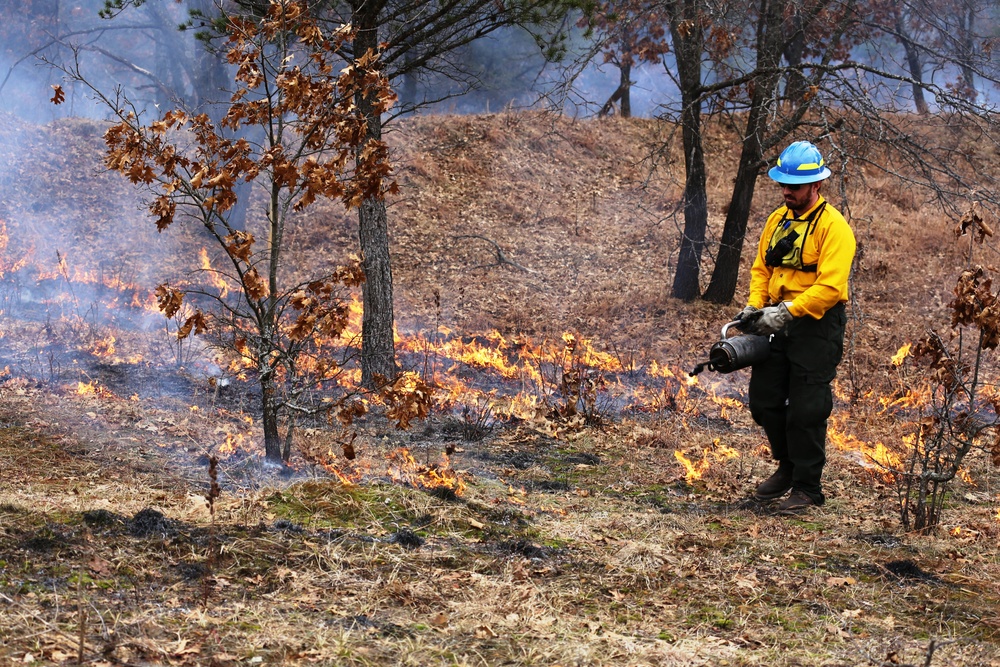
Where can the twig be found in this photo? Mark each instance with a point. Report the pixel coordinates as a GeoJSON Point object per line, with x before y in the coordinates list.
{"type": "Point", "coordinates": [501, 257]}
{"type": "Point", "coordinates": [213, 493]}
{"type": "Point", "coordinates": [934, 645]}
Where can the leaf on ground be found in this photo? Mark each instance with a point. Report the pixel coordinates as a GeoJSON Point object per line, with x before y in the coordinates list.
{"type": "Point", "coordinates": [99, 566]}
{"type": "Point", "coordinates": [841, 581]}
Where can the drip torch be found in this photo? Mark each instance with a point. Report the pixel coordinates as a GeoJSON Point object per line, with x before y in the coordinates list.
{"type": "Point", "coordinates": [735, 352]}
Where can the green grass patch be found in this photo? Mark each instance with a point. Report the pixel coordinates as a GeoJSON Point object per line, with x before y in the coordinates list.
{"type": "Point", "coordinates": [330, 504]}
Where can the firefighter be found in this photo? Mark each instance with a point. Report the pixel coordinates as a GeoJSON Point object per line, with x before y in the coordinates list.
{"type": "Point", "coordinates": [798, 291]}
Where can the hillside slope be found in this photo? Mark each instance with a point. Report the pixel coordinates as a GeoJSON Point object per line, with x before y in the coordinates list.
{"type": "Point", "coordinates": [619, 537]}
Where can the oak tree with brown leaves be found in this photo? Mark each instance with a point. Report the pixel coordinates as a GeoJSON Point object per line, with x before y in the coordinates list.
{"type": "Point", "coordinates": [275, 323]}
{"type": "Point", "coordinates": [963, 411]}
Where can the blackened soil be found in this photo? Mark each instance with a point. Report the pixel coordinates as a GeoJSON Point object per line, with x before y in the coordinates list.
{"type": "Point", "coordinates": [150, 523]}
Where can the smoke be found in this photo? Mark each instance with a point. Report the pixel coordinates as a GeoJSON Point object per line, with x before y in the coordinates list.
{"type": "Point", "coordinates": [507, 69]}
{"type": "Point", "coordinates": [141, 54]}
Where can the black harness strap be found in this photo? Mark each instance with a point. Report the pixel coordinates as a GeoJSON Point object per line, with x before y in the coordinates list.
{"type": "Point", "coordinates": [810, 226]}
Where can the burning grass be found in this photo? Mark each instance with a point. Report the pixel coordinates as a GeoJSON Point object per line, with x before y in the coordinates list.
{"type": "Point", "coordinates": [573, 499]}
{"type": "Point", "coordinates": [626, 563]}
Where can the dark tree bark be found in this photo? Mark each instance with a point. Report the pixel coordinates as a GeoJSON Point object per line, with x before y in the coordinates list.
{"type": "Point", "coordinates": [209, 79]}
{"type": "Point", "coordinates": [688, 41]}
{"type": "Point", "coordinates": [408, 84]}
{"type": "Point", "coordinates": [625, 85]}
{"type": "Point", "coordinates": [795, 84]}
{"type": "Point", "coordinates": [378, 352]}
{"type": "Point", "coordinates": [917, 74]}
{"type": "Point", "coordinates": [269, 420]}
{"type": "Point", "coordinates": [408, 91]}
{"type": "Point", "coordinates": [722, 286]}
{"type": "Point", "coordinates": [913, 63]}
{"type": "Point", "coordinates": [967, 47]}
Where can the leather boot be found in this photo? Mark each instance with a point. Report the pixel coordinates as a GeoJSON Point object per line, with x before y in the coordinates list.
{"type": "Point", "coordinates": [796, 503]}
{"type": "Point", "coordinates": [777, 484]}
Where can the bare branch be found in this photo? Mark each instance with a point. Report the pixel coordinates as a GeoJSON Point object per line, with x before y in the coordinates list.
{"type": "Point", "coordinates": [501, 257]}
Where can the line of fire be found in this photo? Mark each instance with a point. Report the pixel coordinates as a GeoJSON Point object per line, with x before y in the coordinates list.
{"type": "Point", "coordinates": [94, 334]}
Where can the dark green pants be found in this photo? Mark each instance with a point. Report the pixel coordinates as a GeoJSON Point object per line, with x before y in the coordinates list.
{"type": "Point", "coordinates": [791, 397]}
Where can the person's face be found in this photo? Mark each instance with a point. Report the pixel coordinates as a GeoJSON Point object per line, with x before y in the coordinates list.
{"type": "Point", "coordinates": [800, 197]}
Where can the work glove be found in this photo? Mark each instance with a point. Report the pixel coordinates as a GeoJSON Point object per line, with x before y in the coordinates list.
{"type": "Point", "coordinates": [773, 319]}
{"type": "Point", "coordinates": [744, 313]}
{"type": "Point", "coordinates": [746, 318]}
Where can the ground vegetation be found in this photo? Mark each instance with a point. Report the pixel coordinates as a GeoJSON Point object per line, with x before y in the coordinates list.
{"type": "Point", "coordinates": [605, 523]}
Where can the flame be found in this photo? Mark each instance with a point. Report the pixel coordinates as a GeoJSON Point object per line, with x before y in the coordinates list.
{"type": "Point", "coordinates": [92, 388]}
{"type": "Point", "coordinates": [345, 478]}
{"type": "Point", "coordinates": [215, 278]}
{"type": "Point", "coordinates": [14, 266]}
{"type": "Point", "coordinates": [104, 347]}
{"type": "Point", "coordinates": [404, 469]}
{"type": "Point", "coordinates": [966, 477]}
{"type": "Point", "coordinates": [877, 454]}
{"type": "Point", "coordinates": [498, 376]}
{"type": "Point", "coordinates": [696, 470]}
{"type": "Point", "coordinates": [230, 445]}
{"type": "Point", "coordinates": [901, 354]}
{"type": "Point", "coordinates": [912, 398]}
{"type": "Point", "coordinates": [237, 441]}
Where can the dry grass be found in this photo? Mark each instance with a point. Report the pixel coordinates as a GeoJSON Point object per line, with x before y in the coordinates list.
{"type": "Point", "coordinates": [590, 548]}
{"type": "Point", "coordinates": [614, 561]}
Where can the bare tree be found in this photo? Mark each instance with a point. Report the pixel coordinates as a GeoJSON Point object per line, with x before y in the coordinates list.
{"type": "Point", "coordinates": [731, 59]}
{"type": "Point", "coordinates": [904, 22]}
{"type": "Point", "coordinates": [749, 94]}
{"type": "Point", "coordinates": [826, 71]}
{"type": "Point", "coordinates": [626, 32]}
{"type": "Point", "coordinates": [145, 49]}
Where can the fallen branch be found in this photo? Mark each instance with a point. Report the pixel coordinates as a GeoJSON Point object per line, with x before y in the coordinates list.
{"type": "Point", "coordinates": [502, 258]}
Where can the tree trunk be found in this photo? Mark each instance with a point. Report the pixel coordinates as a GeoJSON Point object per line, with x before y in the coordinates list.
{"type": "Point", "coordinates": [609, 106]}
{"type": "Point", "coordinates": [626, 87]}
{"type": "Point", "coordinates": [722, 286]}
{"type": "Point", "coordinates": [917, 74]}
{"type": "Point", "coordinates": [688, 42]}
{"type": "Point", "coordinates": [687, 279]}
{"type": "Point", "coordinates": [912, 63]}
{"type": "Point", "coordinates": [967, 50]}
{"type": "Point", "coordinates": [208, 80]}
{"type": "Point", "coordinates": [408, 89]}
{"type": "Point", "coordinates": [795, 84]}
{"type": "Point", "coordinates": [269, 405]}
{"type": "Point", "coordinates": [378, 353]}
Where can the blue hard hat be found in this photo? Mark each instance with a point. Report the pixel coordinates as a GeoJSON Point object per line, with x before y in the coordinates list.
{"type": "Point", "coordinates": [801, 162]}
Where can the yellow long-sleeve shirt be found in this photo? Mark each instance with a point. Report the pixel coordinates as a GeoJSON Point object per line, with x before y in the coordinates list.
{"type": "Point", "coordinates": [830, 246]}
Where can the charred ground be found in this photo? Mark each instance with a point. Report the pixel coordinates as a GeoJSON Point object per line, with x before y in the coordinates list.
{"type": "Point", "coordinates": [573, 543]}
